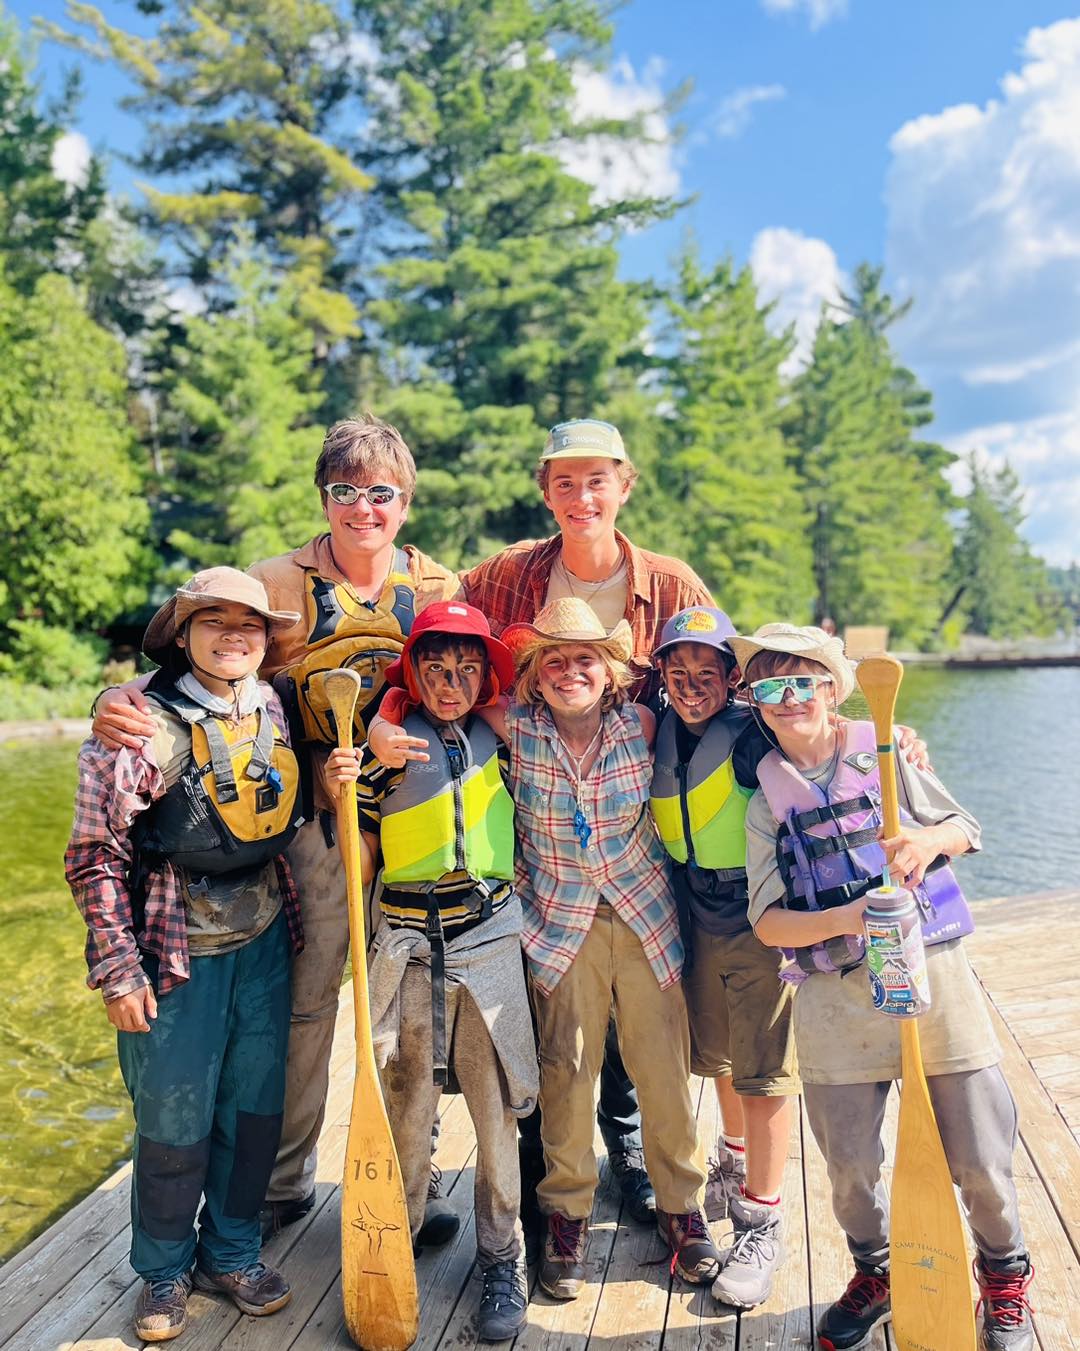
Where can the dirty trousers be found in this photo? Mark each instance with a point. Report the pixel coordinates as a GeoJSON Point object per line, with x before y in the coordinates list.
{"type": "Point", "coordinates": [611, 968]}
{"type": "Point", "coordinates": [977, 1119]}
{"type": "Point", "coordinates": [207, 1084]}
{"type": "Point", "coordinates": [412, 1101]}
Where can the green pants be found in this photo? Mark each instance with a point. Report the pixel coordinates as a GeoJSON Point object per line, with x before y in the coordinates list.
{"type": "Point", "coordinates": [207, 1083]}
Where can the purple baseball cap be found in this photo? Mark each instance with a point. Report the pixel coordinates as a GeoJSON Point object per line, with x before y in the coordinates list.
{"type": "Point", "coordinates": [697, 624]}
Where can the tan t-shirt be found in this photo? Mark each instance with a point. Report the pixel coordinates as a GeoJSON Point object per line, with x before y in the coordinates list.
{"type": "Point", "coordinates": [840, 1037]}
{"type": "Point", "coordinates": [607, 598]}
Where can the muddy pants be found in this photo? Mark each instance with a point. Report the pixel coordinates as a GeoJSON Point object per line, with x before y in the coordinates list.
{"type": "Point", "coordinates": [977, 1119]}
{"type": "Point", "coordinates": [207, 1083]}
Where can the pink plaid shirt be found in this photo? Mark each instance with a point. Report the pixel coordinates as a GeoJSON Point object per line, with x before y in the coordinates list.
{"type": "Point", "coordinates": [561, 884]}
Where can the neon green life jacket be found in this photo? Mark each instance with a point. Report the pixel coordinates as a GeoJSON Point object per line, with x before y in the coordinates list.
{"type": "Point", "coordinates": [699, 808]}
{"type": "Point", "coordinates": [452, 814]}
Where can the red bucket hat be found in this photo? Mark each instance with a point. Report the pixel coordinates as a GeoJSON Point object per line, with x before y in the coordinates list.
{"type": "Point", "coordinates": [454, 616]}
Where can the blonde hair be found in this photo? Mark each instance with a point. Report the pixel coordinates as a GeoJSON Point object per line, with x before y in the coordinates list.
{"type": "Point", "coordinates": [527, 684]}
{"type": "Point", "coordinates": [363, 447]}
{"type": "Point", "coordinates": [628, 475]}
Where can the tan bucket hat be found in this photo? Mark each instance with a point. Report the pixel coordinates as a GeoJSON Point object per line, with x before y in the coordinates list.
{"type": "Point", "coordinates": [212, 586]}
{"type": "Point", "coordinates": [567, 620]}
{"type": "Point", "coordinates": [807, 641]}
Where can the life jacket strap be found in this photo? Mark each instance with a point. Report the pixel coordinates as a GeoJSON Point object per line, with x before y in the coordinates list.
{"type": "Point", "coordinates": [819, 847]}
{"type": "Point", "coordinates": [220, 761]}
{"type": "Point", "coordinates": [262, 752]}
{"type": "Point", "coordinates": [833, 811]}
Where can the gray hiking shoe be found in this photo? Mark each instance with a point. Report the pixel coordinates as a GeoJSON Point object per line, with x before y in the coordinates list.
{"type": "Point", "coordinates": [752, 1260]}
{"type": "Point", "coordinates": [1003, 1287]}
{"type": "Point", "coordinates": [727, 1174]}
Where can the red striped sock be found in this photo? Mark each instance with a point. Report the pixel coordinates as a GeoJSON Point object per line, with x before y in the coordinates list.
{"type": "Point", "coordinates": [761, 1200]}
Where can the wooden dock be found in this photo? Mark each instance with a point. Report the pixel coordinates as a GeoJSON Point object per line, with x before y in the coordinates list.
{"type": "Point", "coordinates": [72, 1287]}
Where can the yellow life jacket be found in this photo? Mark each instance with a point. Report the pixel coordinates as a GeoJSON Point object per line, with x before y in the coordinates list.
{"type": "Point", "coordinates": [450, 815]}
{"type": "Point", "coordinates": [234, 806]}
{"type": "Point", "coordinates": [344, 631]}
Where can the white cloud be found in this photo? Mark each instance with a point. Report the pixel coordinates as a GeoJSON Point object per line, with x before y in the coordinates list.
{"type": "Point", "coordinates": [71, 159]}
{"type": "Point", "coordinates": [818, 11]}
{"type": "Point", "coordinates": [616, 167]}
{"type": "Point", "coordinates": [1045, 452]}
{"type": "Point", "coordinates": [733, 116]}
{"type": "Point", "coordinates": [800, 274]}
{"type": "Point", "coordinates": [186, 299]}
{"type": "Point", "coordinates": [983, 231]}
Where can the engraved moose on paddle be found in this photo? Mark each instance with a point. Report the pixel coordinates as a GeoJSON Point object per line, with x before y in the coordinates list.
{"type": "Point", "coordinates": [371, 1225]}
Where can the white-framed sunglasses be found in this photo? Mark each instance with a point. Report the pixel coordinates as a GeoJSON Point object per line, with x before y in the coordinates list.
{"type": "Point", "coordinates": [771, 689]}
{"type": "Point", "coordinates": [345, 494]}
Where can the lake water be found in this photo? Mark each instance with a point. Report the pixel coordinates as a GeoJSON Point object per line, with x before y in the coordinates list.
{"type": "Point", "coordinates": [1007, 743]}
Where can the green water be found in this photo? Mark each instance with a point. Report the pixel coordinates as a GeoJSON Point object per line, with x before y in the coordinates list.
{"type": "Point", "coordinates": [65, 1120]}
{"type": "Point", "coordinates": [1006, 742]}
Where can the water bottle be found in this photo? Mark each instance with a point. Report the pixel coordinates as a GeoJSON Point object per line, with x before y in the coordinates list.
{"type": "Point", "coordinates": [895, 955]}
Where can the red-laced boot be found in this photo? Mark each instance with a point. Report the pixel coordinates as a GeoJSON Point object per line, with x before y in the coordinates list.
{"type": "Point", "coordinates": [1003, 1287]}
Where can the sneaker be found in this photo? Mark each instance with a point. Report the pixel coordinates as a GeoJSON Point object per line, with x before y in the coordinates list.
{"type": "Point", "coordinates": [628, 1165]}
{"type": "Point", "coordinates": [862, 1307]}
{"type": "Point", "coordinates": [161, 1309]}
{"type": "Point", "coordinates": [752, 1260]}
{"type": "Point", "coordinates": [504, 1301]}
{"type": "Point", "coordinates": [727, 1176]}
{"type": "Point", "coordinates": [562, 1269]}
{"type": "Point", "coordinates": [441, 1222]}
{"type": "Point", "coordinates": [256, 1289]}
{"type": "Point", "coordinates": [1003, 1287]}
{"type": "Point", "coordinates": [275, 1215]}
{"type": "Point", "coordinates": [693, 1253]}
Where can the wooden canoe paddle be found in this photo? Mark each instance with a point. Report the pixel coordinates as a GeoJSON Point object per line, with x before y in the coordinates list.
{"type": "Point", "coordinates": [378, 1276]}
{"type": "Point", "coordinates": [932, 1305]}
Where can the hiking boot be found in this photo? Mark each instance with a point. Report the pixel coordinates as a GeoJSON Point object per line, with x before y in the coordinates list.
{"type": "Point", "coordinates": [693, 1253]}
{"type": "Point", "coordinates": [727, 1175]}
{"type": "Point", "coordinates": [1003, 1287]}
{"type": "Point", "coordinates": [752, 1260]}
{"type": "Point", "coordinates": [441, 1222]}
{"type": "Point", "coordinates": [504, 1301]}
{"type": "Point", "coordinates": [161, 1309]}
{"type": "Point", "coordinates": [562, 1269]}
{"type": "Point", "coordinates": [275, 1215]}
{"type": "Point", "coordinates": [628, 1165]}
{"type": "Point", "coordinates": [861, 1308]}
{"type": "Point", "coordinates": [255, 1289]}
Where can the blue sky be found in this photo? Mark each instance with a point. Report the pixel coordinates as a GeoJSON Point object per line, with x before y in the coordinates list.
{"type": "Point", "coordinates": [940, 137]}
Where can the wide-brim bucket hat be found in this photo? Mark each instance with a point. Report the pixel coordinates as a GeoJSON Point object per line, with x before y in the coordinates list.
{"type": "Point", "coordinates": [212, 586]}
{"type": "Point", "coordinates": [806, 641]}
{"type": "Point", "coordinates": [454, 616]}
{"type": "Point", "coordinates": [567, 620]}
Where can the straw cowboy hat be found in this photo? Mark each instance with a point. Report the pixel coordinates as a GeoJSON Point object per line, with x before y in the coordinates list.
{"type": "Point", "coordinates": [567, 620]}
{"type": "Point", "coordinates": [212, 586]}
{"type": "Point", "coordinates": [809, 641]}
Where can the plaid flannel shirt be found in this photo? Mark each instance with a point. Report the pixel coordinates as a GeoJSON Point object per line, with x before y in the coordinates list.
{"type": "Point", "coordinates": [114, 788]}
{"type": "Point", "coordinates": [561, 884]}
{"type": "Point", "coordinates": [510, 589]}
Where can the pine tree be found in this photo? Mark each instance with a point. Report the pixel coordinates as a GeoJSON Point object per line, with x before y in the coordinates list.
{"type": "Point", "coordinates": [73, 521]}
{"type": "Point", "coordinates": [42, 218]}
{"type": "Point", "coordinates": [247, 105]}
{"type": "Point", "coordinates": [875, 494]}
{"type": "Point", "coordinates": [501, 312]}
{"type": "Point", "coordinates": [1002, 588]}
{"type": "Point", "coordinates": [239, 423]}
{"type": "Point", "coordinates": [737, 502]}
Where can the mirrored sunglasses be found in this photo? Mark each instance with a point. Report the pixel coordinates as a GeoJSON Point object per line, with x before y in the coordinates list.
{"type": "Point", "coordinates": [772, 689]}
{"type": "Point", "coordinates": [345, 494]}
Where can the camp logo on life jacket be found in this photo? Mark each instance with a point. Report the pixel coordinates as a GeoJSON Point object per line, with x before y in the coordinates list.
{"type": "Point", "coordinates": [696, 621]}
{"type": "Point", "coordinates": [864, 761]}
{"type": "Point", "coordinates": [347, 632]}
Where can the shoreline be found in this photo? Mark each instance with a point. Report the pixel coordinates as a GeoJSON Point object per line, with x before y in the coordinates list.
{"type": "Point", "coordinates": [56, 729]}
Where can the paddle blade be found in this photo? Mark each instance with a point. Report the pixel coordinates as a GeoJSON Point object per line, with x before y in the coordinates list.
{"type": "Point", "coordinates": [378, 1276]}
{"type": "Point", "coordinates": [933, 1308]}
{"type": "Point", "coordinates": [879, 679]}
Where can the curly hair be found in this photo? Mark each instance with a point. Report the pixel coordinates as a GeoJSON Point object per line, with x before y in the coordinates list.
{"type": "Point", "coordinates": [527, 685]}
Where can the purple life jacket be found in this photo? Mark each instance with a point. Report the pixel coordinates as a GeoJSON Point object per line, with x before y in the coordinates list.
{"type": "Point", "coordinates": [828, 851]}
